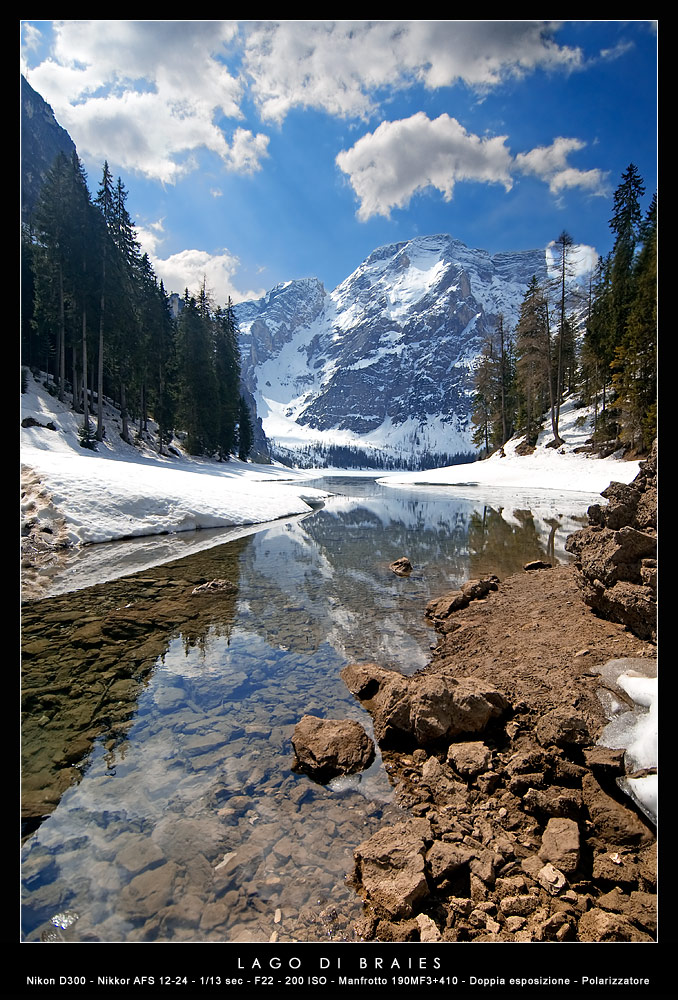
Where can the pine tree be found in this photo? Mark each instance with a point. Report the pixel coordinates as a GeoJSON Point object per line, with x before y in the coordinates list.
{"type": "Point", "coordinates": [51, 249]}
{"type": "Point", "coordinates": [227, 367]}
{"type": "Point", "coordinates": [635, 363]}
{"type": "Point", "coordinates": [163, 365]}
{"type": "Point", "coordinates": [105, 203]}
{"type": "Point", "coordinates": [84, 241]}
{"type": "Point", "coordinates": [197, 387]}
{"type": "Point", "coordinates": [625, 224]}
{"type": "Point", "coordinates": [532, 369]}
{"type": "Point", "coordinates": [494, 400]}
{"type": "Point", "coordinates": [126, 335]}
{"type": "Point", "coordinates": [564, 245]}
{"type": "Point", "coordinates": [245, 430]}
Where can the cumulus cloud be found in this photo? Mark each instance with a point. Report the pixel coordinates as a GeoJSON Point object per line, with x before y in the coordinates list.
{"type": "Point", "coordinates": [549, 163]}
{"type": "Point", "coordinates": [582, 260]}
{"type": "Point", "coordinates": [189, 268]}
{"type": "Point", "coordinates": [388, 166]}
{"type": "Point", "coordinates": [148, 94]}
{"type": "Point", "coordinates": [156, 91]}
{"type": "Point", "coordinates": [341, 66]}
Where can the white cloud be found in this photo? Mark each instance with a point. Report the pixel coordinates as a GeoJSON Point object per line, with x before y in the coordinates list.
{"type": "Point", "coordinates": [549, 164]}
{"type": "Point", "coordinates": [340, 66]}
{"type": "Point", "coordinates": [188, 268]}
{"type": "Point", "coordinates": [582, 260]}
{"type": "Point", "coordinates": [388, 166]}
{"type": "Point", "coordinates": [30, 36]}
{"type": "Point", "coordinates": [148, 94]}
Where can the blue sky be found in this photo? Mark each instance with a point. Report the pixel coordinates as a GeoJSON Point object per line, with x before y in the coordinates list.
{"type": "Point", "coordinates": [256, 152]}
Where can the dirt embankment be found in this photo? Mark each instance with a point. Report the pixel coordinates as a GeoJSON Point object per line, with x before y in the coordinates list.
{"type": "Point", "coordinates": [518, 829]}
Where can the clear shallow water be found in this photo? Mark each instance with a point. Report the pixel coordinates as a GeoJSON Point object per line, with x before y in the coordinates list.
{"type": "Point", "coordinates": [160, 759]}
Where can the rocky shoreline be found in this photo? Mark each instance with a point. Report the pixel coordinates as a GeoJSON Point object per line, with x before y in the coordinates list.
{"type": "Point", "coordinates": [516, 826]}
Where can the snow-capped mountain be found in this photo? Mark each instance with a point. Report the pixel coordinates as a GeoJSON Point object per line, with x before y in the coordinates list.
{"type": "Point", "coordinates": [386, 360]}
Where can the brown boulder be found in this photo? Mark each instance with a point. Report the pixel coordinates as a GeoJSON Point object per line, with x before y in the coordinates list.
{"type": "Point", "coordinates": [425, 707]}
{"type": "Point", "coordinates": [325, 748]}
{"type": "Point", "coordinates": [390, 868]}
{"type": "Point", "coordinates": [561, 727]}
{"type": "Point", "coordinates": [429, 708]}
{"type": "Point", "coordinates": [613, 821]}
{"type": "Point", "coordinates": [615, 556]}
{"type": "Point", "coordinates": [599, 925]}
{"type": "Point", "coordinates": [472, 590]}
{"type": "Point", "coordinates": [469, 759]}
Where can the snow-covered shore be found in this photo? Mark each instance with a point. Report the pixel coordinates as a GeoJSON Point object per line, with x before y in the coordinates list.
{"type": "Point", "coordinates": [73, 497]}
{"type": "Point", "coordinates": [122, 491]}
{"type": "Point", "coordinates": [559, 470]}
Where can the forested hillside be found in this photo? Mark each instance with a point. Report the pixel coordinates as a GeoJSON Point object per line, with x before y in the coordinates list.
{"type": "Point", "coordinates": [97, 320]}
{"type": "Point", "coordinates": [599, 341]}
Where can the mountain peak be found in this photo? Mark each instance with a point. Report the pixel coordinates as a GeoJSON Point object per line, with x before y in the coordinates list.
{"type": "Point", "coordinates": [386, 360]}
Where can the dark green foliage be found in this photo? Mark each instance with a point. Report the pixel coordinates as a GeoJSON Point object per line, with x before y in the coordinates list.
{"type": "Point", "coordinates": [245, 430]}
{"type": "Point", "coordinates": [495, 398]}
{"type": "Point", "coordinates": [612, 367]}
{"type": "Point", "coordinates": [619, 356]}
{"type": "Point", "coordinates": [92, 306]}
{"type": "Point", "coordinates": [227, 368]}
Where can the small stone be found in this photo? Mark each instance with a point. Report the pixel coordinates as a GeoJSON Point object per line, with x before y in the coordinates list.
{"type": "Point", "coordinates": [560, 844]}
{"type": "Point", "coordinates": [428, 931]}
{"type": "Point", "coordinates": [401, 567]}
{"type": "Point", "coordinates": [469, 759]}
{"type": "Point", "coordinates": [551, 879]}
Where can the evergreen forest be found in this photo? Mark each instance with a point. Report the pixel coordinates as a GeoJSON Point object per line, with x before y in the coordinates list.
{"type": "Point", "coordinates": [598, 342]}
{"type": "Point", "coordinates": [96, 319]}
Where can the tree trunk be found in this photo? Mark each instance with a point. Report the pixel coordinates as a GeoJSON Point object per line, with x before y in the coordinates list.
{"type": "Point", "coordinates": [123, 413]}
{"type": "Point", "coordinates": [554, 415]}
{"type": "Point", "coordinates": [85, 398]}
{"type": "Point", "coordinates": [61, 349]}
{"type": "Point", "coordinates": [100, 360]}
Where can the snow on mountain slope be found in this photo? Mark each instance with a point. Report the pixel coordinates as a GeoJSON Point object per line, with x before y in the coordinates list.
{"type": "Point", "coordinates": [386, 360]}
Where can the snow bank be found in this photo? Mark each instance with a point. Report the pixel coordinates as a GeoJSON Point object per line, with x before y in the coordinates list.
{"type": "Point", "coordinates": [121, 491]}
{"type": "Point", "coordinates": [633, 725]}
{"type": "Point", "coordinates": [562, 470]}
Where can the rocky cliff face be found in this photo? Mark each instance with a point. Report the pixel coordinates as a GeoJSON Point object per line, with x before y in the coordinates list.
{"type": "Point", "coordinates": [387, 358]}
{"type": "Point", "coordinates": [42, 138]}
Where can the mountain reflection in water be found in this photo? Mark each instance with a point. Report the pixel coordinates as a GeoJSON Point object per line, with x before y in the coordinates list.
{"type": "Point", "coordinates": [158, 797]}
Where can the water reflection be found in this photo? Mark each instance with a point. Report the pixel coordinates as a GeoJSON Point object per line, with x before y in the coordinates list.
{"type": "Point", "coordinates": [157, 724]}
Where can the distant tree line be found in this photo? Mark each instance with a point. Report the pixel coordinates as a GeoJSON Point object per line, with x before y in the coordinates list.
{"type": "Point", "coordinates": [339, 456]}
{"type": "Point", "coordinates": [96, 319]}
{"type": "Point", "coordinates": [599, 342]}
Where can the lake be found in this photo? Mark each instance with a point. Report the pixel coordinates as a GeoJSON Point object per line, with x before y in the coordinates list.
{"type": "Point", "coordinates": [159, 800]}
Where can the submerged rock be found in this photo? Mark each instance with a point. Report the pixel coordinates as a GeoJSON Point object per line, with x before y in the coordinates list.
{"type": "Point", "coordinates": [401, 567]}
